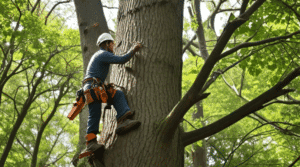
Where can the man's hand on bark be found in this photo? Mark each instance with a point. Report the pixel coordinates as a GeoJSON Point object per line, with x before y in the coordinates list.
{"type": "Point", "coordinates": [137, 47]}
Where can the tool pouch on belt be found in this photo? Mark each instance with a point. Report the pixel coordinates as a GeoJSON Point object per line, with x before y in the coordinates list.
{"type": "Point", "coordinates": [100, 93]}
{"type": "Point", "coordinates": [77, 107]}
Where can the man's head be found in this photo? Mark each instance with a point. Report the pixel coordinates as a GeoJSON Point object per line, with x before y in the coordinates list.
{"type": "Point", "coordinates": [108, 45]}
{"type": "Point", "coordinates": [106, 41]}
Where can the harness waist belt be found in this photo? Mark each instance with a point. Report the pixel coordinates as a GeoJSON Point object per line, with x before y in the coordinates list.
{"type": "Point", "coordinates": [91, 79]}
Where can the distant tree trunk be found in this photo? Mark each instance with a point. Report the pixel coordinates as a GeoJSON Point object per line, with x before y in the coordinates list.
{"type": "Point", "coordinates": [200, 153]}
{"type": "Point", "coordinates": [92, 23]}
{"type": "Point", "coordinates": [153, 87]}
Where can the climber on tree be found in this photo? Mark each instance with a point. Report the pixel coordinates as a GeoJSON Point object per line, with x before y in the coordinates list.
{"type": "Point", "coordinates": [95, 75]}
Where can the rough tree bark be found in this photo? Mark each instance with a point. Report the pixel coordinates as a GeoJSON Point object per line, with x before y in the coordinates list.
{"type": "Point", "coordinates": [153, 86]}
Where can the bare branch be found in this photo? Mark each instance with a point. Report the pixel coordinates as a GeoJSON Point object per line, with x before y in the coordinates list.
{"type": "Point", "coordinates": [109, 7]}
{"type": "Point", "coordinates": [23, 146]}
{"type": "Point", "coordinates": [284, 102]}
{"type": "Point", "coordinates": [226, 10]}
{"type": "Point", "coordinates": [192, 51]}
{"type": "Point", "coordinates": [249, 44]}
{"type": "Point", "coordinates": [242, 82]}
{"type": "Point", "coordinates": [54, 8]}
{"type": "Point", "coordinates": [231, 87]}
{"type": "Point", "coordinates": [189, 43]}
{"type": "Point", "coordinates": [254, 34]}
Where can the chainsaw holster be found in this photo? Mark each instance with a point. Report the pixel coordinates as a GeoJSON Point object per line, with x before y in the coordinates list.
{"type": "Point", "coordinates": [77, 107]}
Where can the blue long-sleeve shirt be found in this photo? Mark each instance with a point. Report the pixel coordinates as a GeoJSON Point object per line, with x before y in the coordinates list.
{"type": "Point", "coordinates": [100, 62]}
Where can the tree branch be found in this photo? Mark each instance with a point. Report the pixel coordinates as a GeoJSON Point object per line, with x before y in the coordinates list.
{"type": "Point", "coordinates": [57, 159]}
{"type": "Point", "coordinates": [192, 51]}
{"type": "Point", "coordinates": [55, 142]}
{"type": "Point", "coordinates": [109, 7]}
{"type": "Point", "coordinates": [189, 43]}
{"type": "Point", "coordinates": [216, 74]}
{"type": "Point", "coordinates": [35, 5]}
{"type": "Point", "coordinates": [242, 82]}
{"type": "Point", "coordinates": [243, 140]}
{"type": "Point", "coordinates": [200, 31]}
{"type": "Point", "coordinates": [249, 44]}
{"type": "Point", "coordinates": [277, 127]}
{"type": "Point", "coordinates": [283, 102]}
{"type": "Point", "coordinates": [14, 101]}
{"type": "Point", "coordinates": [23, 146]}
{"type": "Point", "coordinates": [213, 15]}
{"type": "Point", "coordinates": [29, 3]}
{"type": "Point", "coordinates": [244, 6]}
{"type": "Point", "coordinates": [291, 98]}
{"type": "Point", "coordinates": [170, 124]}
{"type": "Point", "coordinates": [54, 8]}
{"type": "Point", "coordinates": [252, 106]}
{"type": "Point", "coordinates": [227, 10]}
{"type": "Point", "coordinates": [297, 159]}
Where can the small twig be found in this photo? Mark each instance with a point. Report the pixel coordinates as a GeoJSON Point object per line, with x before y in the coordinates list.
{"type": "Point", "coordinates": [109, 7]}
{"type": "Point", "coordinates": [54, 8]}
{"type": "Point", "coordinates": [189, 43]}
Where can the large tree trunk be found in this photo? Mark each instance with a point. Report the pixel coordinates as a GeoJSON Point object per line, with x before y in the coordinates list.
{"type": "Point", "coordinates": [153, 87]}
{"type": "Point", "coordinates": [92, 23]}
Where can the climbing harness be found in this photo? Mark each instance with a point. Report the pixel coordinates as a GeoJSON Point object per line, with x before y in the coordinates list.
{"type": "Point", "coordinates": [103, 92]}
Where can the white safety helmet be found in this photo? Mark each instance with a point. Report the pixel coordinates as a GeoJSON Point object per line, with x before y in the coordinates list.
{"type": "Point", "coordinates": [104, 37]}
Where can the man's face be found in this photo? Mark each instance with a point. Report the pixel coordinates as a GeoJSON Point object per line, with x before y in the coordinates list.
{"type": "Point", "coordinates": [111, 46]}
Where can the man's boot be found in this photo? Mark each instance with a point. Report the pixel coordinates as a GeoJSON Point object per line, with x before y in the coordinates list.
{"type": "Point", "coordinates": [126, 126]}
{"type": "Point", "coordinates": [128, 114]}
{"type": "Point", "coordinates": [91, 143]}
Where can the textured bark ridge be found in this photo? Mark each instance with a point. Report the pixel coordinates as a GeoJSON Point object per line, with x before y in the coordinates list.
{"type": "Point", "coordinates": [152, 86]}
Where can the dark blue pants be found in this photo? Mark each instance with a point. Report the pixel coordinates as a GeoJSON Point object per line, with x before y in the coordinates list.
{"type": "Point", "coordinates": [119, 103]}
